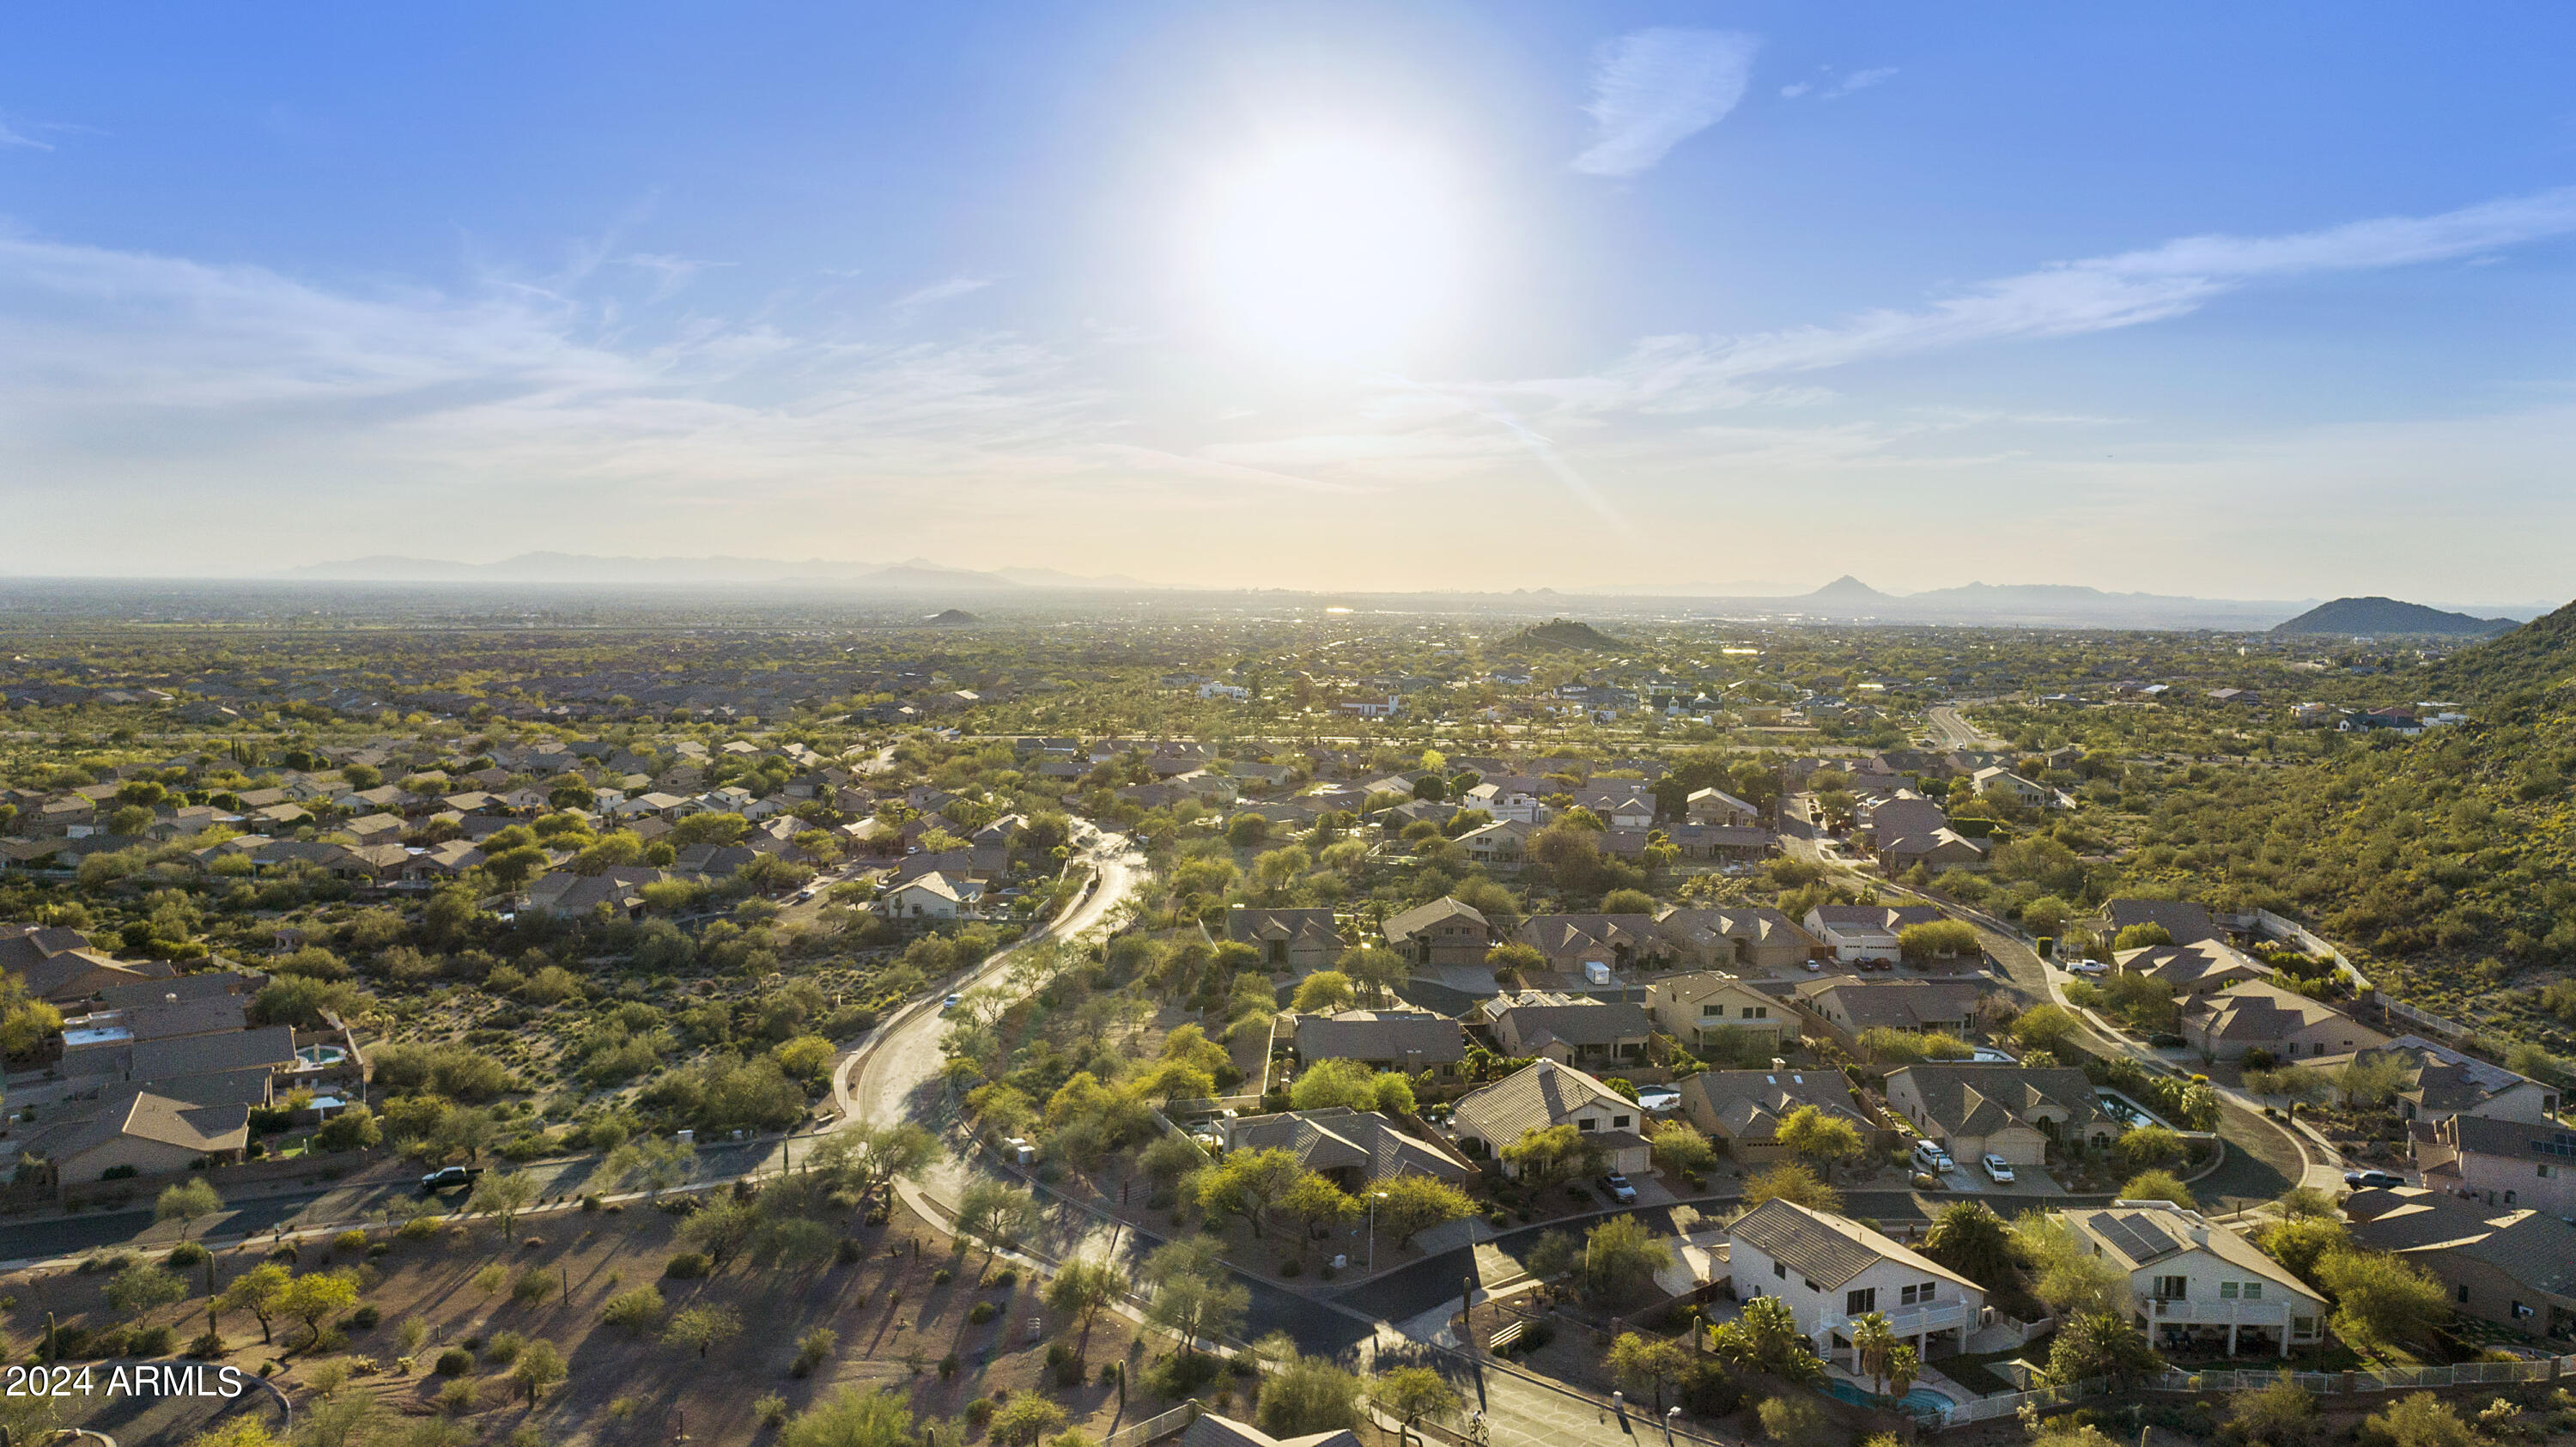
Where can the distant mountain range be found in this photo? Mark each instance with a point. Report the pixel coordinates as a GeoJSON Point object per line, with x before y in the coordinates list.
{"type": "Point", "coordinates": [2376, 617]}
{"type": "Point", "coordinates": [911, 575]}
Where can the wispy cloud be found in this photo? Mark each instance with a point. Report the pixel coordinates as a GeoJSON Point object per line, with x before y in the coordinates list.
{"type": "Point", "coordinates": [1837, 89]}
{"type": "Point", "coordinates": [2066, 299]}
{"type": "Point", "coordinates": [1653, 89]}
{"type": "Point", "coordinates": [9, 137]}
{"type": "Point", "coordinates": [939, 291]}
{"type": "Point", "coordinates": [670, 273]}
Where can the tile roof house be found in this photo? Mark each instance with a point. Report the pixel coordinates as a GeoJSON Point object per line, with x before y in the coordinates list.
{"type": "Point", "coordinates": [933, 896]}
{"type": "Point", "coordinates": [1736, 937]}
{"type": "Point", "coordinates": [1297, 940]}
{"type": "Point", "coordinates": [2187, 922]}
{"type": "Point", "coordinates": [1705, 1009]}
{"type": "Point", "coordinates": [1865, 931]}
{"type": "Point", "coordinates": [1716, 806]}
{"type": "Point", "coordinates": [570, 896]}
{"type": "Point", "coordinates": [2256, 1013]}
{"type": "Point", "coordinates": [1742, 1109]}
{"type": "Point", "coordinates": [58, 966]}
{"type": "Point", "coordinates": [1207, 1429]}
{"type": "Point", "coordinates": [2012, 1111]}
{"type": "Point", "coordinates": [144, 1132]}
{"type": "Point", "coordinates": [2203, 967]}
{"type": "Point", "coordinates": [2440, 1082]}
{"type": "Point", "coordinates": [1830, 1271]}
{"type": "Point", "coordinates": [1547, 1094]}
{"type": "Point", "coordinates": [1575, 1029]}
{"type": "Point", "coordinates": [1353, 1147]}
{"type": "Point", "coordinates": [1444, 932]}
{"type": "Point", "coordinates": [1572, 941]}
{"type": "Point", "coordinates": [2500, 1162]}
{"type": "Point", "coordinates": [2193, 1281]}
{"type": "Point", "coordinates": [164, 1061]}
{"type": "Point", "coordinates": [1502, 842]}
{"type": "Point", "coordinates": [1848, 1006]}
{"type": "Point", "coordinates": [1408, 1040]}
{"type": "Point", "coordinates": [2512, 1266]}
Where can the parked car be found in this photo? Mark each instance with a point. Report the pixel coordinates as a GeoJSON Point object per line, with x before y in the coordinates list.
{"type": "Point", "coordinates": [1999, 1168]}
{"type": "Point", "coordinates": [951, 1003]}
{"type": "Point", "coordinates": [2364, 1180]}
{"type": "Point", "coordinates": [447, 1177]}
{"type": "Point", "coordinates": [2088, 967]}
{"type": "Point", "coordinates": [1929, 1156]}
{"type": "Point", "coordinates": [1616, 1186]}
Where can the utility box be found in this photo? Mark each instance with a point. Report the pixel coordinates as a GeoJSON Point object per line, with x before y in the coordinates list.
{"type": "Point", "coordinates": [1597, 971]}
{"type": "Point", "coordinates": [1022, 1153]}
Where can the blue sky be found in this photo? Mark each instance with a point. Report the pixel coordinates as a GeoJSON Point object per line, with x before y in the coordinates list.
{"type": "Point", "coordinates": [2175, 298]}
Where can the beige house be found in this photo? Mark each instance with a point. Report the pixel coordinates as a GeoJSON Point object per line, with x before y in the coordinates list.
{"type": "Point", "coordinates": [1576, 1029]}
{"type": "Point", "coordinates": [1716, 806]}
{"type": "Point", "coordinates": [150, 1133]}
{"type": "Point", "coordinates": [1848, 1006]}
{"type": "Point", "coordinates": [1546, 1095]}
{"type": "Point", "coordinates": [1354, 1148]}
{"type": "Point", "coordinates": [2500, 1162]}
{"type": "Point", "coordinates": [1299, 941]}
{"type": "Point", "coordinates": [1443, 932]}
{"type": "Point", "coordinates": [2440, 1082]}
{"type": "Point", "coordinates": [1742, 1109]}
{"type": "Point", "coordinates": [934, 896]}
{"type": "Point", "coordinates": [2195, 1285]}
{"type": "Point", "coordinates": [2257, 1013]}
{"type": "Point", "coordinates": [1737, 939]}
{"type": "Point", "coordinates": [2012, 1111]}
{"type": "Point", "coordinates": [2203, 967]}
{"type": "Point", "coordinates": [2510, 1265]}
{"type": "Point", "coordinates": [1701, 1008]}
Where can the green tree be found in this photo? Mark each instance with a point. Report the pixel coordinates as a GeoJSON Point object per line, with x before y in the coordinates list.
{"type": "Point", "coordinates": [1937, 939]}
{"type": "Point", "coordinates": [2419, 1419]}
{"type": "Point", "coordinates": [187, 1203]}
{"type": "Point", "coordinates": [2150, 1146]}
{"type": "Point", "coordinates": [1765, 1337]}
{"type": "Point", "coordinates": [2299, 1242]}
{"type": "Point", "coordinates": [1643, 1364]}
{"type": "Point", "coordinates": [851, 1418]}
{"type": "Point", "coordinates": [1409, 1394]}
{"type": "Point", "coordinates": [1024, 1419]}
{"type": "Point", "coordinates": [1192, 1297]}
{"type": "Point", "coordinates": [143, 1288]}
{"type": "Point", "coordinates": [1410, 1204]}
{"type": "Point", "coordinates": [1317, 1205]}
{"type": "Point", "coordinates": [993, 1215]}
{"type": "Point", "coordinates": [2158, 1186]}
{"type": "Point", "coordinates": [255, 1291]}
{"type": "Point", "coordinates": [1323, 992]}
{"type": "Point", "coordinates": [701, 1327]}
{"type": "Point", "coordinates": [502, 1196]}
{"type": "Point", "coordinates": [311, 1297]}
{"type": "Point", "coordinates": [1374, 969]}
{"type": "Point", "coordinates": [1820, 1139]}
{"type": "Point", "coordinates": [2046, 1027]}
{"type": "Point", "coordinates": [1620, 1258]}
{"type": "Point", "coordinates": [2380, 1300]}
{"type": "Point", "coordinates": [1970, 1239]}
{"type": "Point", "coordinates": [2100, 1344]}
{"type": "Point", "coordinates": [1079, 1293]}
{"type": "Point", "coordinates": [1303, 1395]}
{"type": "Point", "coordinates": [538, 1368]}
{"type": "Point", "coordinates": [1792, 1182]}
{"type": "Point", "coordinates": [2282, 1414]}
{"type": "Point", "coordinates": [1873, 1339]}
{"type": "Point", "coordinates": [1545, 1155]}
{"type": "Point", "coordinates": [1249, 1183]}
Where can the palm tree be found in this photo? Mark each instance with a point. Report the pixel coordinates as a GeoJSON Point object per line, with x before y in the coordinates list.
{"type": "Point", "coordinates": [1874, 1339]}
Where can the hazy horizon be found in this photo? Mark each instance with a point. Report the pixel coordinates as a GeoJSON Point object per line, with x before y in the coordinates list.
{"type": "Point", "coordinates": [1324, 297]}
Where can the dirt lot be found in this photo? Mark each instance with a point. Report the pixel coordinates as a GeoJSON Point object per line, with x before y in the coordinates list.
{"type": "Point", "coordinates": [896, 1323]}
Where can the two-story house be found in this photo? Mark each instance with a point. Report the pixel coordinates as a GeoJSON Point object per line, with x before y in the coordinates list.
{"type": "Point", "coordinates": [1742, 1109]}
{"type": "Point", "coordinates": [2194, 1284]}
{"type": "Point", "coordinates": [1735, 938]}
{"type": "Point", "coordinates": [1831, 1272]}
{"type": "Point", "coordinates": [2500, 1162]}
{"type": "Point", "coordinates": [2012, 1111]}
{"type": "Point", "coordinates": [1443, 932]}
{"type": "Point", "coordinates": [2507, 1264]}
{"type": "Point", "coordinates": [1705, 1008]}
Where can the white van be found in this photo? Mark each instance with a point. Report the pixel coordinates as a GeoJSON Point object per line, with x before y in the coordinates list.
{"type": "Point", "coordinates": [1930, 1157]}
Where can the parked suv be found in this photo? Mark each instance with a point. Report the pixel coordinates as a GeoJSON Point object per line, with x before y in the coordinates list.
{"type": "Point", "coordinates": [1931, 1157]}
{"type": "Point", "coordinates": [1616, 1185]}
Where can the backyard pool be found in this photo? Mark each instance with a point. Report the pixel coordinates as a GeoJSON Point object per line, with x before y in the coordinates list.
{"type": "Point", "coordinates": [2126, 1111]}
{"type": "Point", "coordinates": [318, 1057]}
{"type": "Point", "coordinates": [1921, 1402]}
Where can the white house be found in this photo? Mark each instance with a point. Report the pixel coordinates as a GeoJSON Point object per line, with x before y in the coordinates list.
{"type": "Point", "coordinates": [2192, 1282]}
{"type": "Point", "coordinates": [933, 896]}
{"type": "Point", "coordinates": [1831, 1271]}
{"type": "Point", "coordinates": [1549, 1094]}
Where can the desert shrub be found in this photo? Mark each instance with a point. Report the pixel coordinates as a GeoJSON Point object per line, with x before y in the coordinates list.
{"type": "Point", "coordinates": [454, 1362]}
{"type": "Point", "coordinates": [185, 1255]}
{"type": "Point", "coordinates": [504, 1347]}
{"type": "Point", "coordinates": [687, 1266]}
{"type": "Point", "coordinates": [983, 1312]}
{"type": "Point", "coordinates": [349, 1243]}
{"type": "Point", "coordinates": [365, 1317]}
{"type": "Point", "coordinates": [638, 1311]}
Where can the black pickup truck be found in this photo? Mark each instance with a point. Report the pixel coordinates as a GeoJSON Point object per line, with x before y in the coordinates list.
{"type": "Point", "coordinates": [447, 1176]}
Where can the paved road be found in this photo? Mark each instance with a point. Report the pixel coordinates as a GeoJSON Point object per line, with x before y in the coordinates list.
{"type": "Point", "coordinates": [1956, 732]}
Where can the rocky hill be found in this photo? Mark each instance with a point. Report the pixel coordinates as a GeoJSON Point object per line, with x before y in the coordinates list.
{"type": "Point", "coordinates": [1560, 634]}
{"type": "Point", "coordinates": [2387, 617]}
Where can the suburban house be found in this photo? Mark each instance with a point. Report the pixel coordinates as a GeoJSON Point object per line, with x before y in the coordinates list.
{"type": "Point", "coordinates": [934, 896]}
{"type": "Point", "coordinates": [1411, 1041]}
{"type": "Point", "coordinates": [1545, 1095]}
{"type": "Point", "coordinates": [2500, 1162]}
{"type": "Point", "coordinates": [2516, 1267]}
{"type": "Point", "coordinates": [142, 1132]}
{"type": "Point", "coordinates": [2012, 1111]}
{"type": "Point", "coordinates": [2194, 1285]}
{"type": "Point", "coordinates": [1847, 1005]}
{"type": "Point", "coordinates": [2203, 967]}
{"type": "Point", "coordinates": [1831, 1271]}
{"type": "Point", "coordinates": [618, 888]}
{"type": "Point", "coordinates": [1572, 942]}
{"type": "Point", "coordinates": [57, 965]}
{"type": "Point", "coordinates": [1865, 931]}
{"type": "Point", "coordinates": [1716, 806]}
{"type": "Point", "coordinates": [1705, 1007]}
{"type": "Point", "coordinates": [2259, 1014]}
{"type": "Point", "coordinates": [1742, 1109]}
{"type": "Point", "coordinates": [1513, 801]}
{"type": "Point", "coordinates": [1999, 780]}
{"type": "Point", "coordinates": [1502, 842]}
{"type": "Point", "coordinates": [2187, 922]}
{"type": "Point", "coordinates": [1352, 1147]}
{"type": "Point", "coordinates": [1744, 938]}
{"type": "Point", "coordinates": [2440, 1082]}
{"type": "Point", "coordinates": [1443, 932]}
{"type": "Point", "coordinates": [1575, 1029]}
{"type": "Point", "coordinates": [1300, 941]}
{"type": "Point", "coordinates": [1933, 849]}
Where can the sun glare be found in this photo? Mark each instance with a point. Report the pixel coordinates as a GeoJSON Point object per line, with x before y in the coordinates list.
{"type": "Point", "coordinates": [1342, 248]}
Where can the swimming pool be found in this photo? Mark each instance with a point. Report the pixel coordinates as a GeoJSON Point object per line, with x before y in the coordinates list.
{"type": "Point", "coordinates": [1920, 1402]}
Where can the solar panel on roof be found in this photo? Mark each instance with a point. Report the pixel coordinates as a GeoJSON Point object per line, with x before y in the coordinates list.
{"type": "Point", "coordinates": [2139, 1238]}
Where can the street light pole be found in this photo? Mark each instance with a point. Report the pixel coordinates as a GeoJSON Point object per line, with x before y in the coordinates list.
{"type": "Point", "coordinates": [1374, 1198]}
